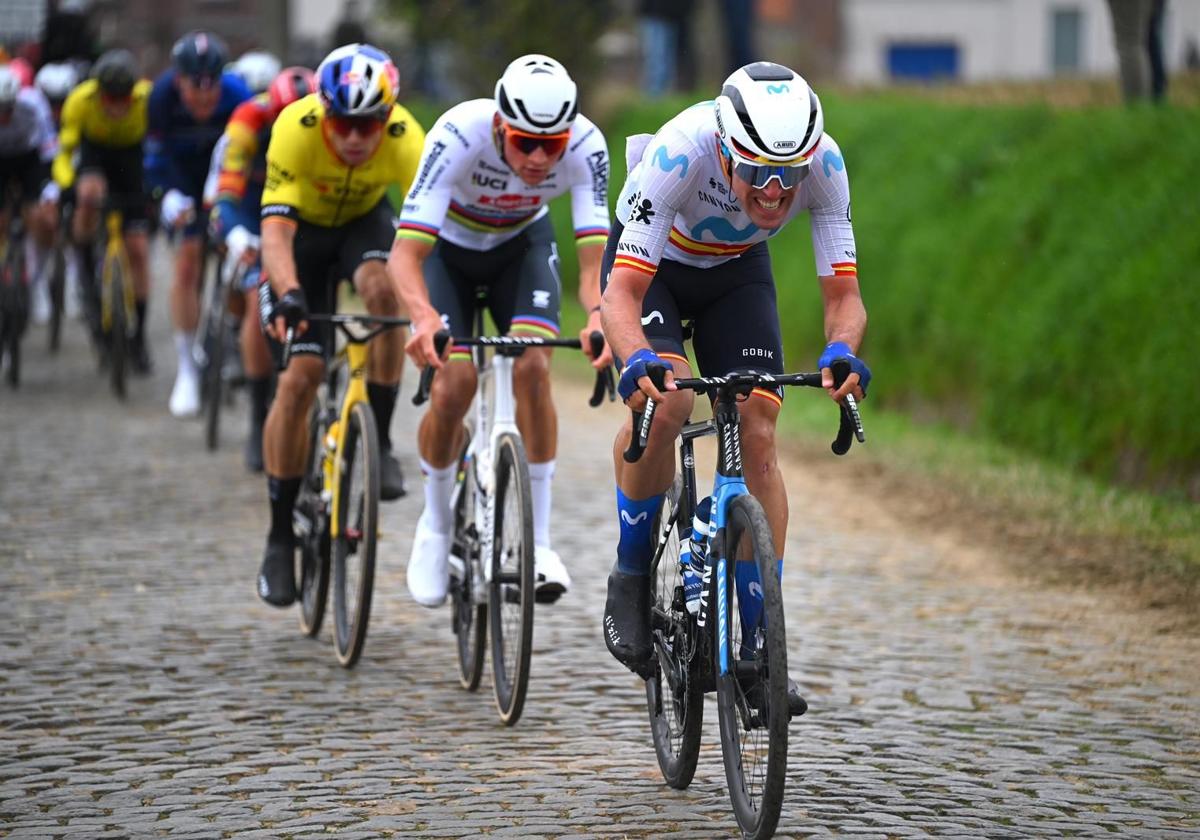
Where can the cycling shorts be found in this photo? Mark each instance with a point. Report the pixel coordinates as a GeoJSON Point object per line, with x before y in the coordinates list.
{"type": "Point", "coordinates": [122, 171]}
{"type": "Point", "coordinates": [732, 307]}
{"type": "Point", "coordinates": [517, 281]}
{"type": "Point", "coordinates": [27, 171]}
{"type": "Point", "coordinates": [324, 257]}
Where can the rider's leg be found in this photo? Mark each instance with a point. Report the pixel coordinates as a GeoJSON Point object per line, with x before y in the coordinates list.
{"type": "Point", "coordinates": [285, 450]}
{"type": "Point", "coordinates": [91, 189]}
{"type": "Point", "coordinates": [538, 421]}
{"type": "Point", "coordinates": [256, 363]}
{"type": "Point", "coordinates": [137, 245]}
{"type": "Point", "coordinates": [185, 316]}
{"type": "Point", "coordinates": [386, 351]}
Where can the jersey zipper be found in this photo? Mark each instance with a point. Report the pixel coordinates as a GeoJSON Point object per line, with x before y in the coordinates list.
{"type": "Point", "coordinates": [337, 218]}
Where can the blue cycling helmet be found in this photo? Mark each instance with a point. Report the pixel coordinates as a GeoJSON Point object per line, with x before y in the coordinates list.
{"type": "Point", "coordinates": [199, 55]}
{"type": "Point", "coordinates": [358, 80]}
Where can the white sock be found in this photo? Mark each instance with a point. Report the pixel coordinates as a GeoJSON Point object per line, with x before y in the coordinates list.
{"type": "Point", "coordinates": [183, 348]}
{"type": "Point", "coordinates": [539, 482]}
{"type": "Point", "coordinates": [439, 484]}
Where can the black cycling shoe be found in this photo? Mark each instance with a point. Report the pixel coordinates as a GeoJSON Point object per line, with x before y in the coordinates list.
{"type": "Point", "coordinates": [277, 577]}
{"type": "Point", "coordinates": [627, 621]}
{"type": "Point", "coordinates": [391, 478]}
{"type": "Point", "coordinates": [139, 359]}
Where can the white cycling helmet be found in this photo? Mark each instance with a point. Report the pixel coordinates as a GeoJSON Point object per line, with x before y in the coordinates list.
{"type": "Point", "coordinates": [10, 86]}
{"type": "Point", "coordinates": [258, 69]}
{"type": "Point", "coordinates": [768, 115]}
{"type": "Point", "coordinates": [536, 95]}
{"type": "Point", "coordinates": [55, 81]}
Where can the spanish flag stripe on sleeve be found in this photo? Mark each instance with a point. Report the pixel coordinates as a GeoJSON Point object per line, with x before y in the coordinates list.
{"type": "Point", "coordinates": [624, 261]}
{"type": "Point", "coordinates": [770, 395]}
{"type": "Point", "coordinates": [844, 269]}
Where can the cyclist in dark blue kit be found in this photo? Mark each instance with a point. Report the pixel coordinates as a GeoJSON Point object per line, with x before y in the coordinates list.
{"type": "Point", "coordinates": [189, 107]}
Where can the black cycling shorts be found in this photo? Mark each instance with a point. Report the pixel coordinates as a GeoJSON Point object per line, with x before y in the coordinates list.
{"type": "Point", "coordinates": [517, 281]}
{"type": "Point", "coordinates": [732, 308]}
{"type": "Point", "coordinates": [324, 257]}
{"type": "Point", "coordinates": [122, 171]}
{"type": "Point", "coordinates": [27, 171]}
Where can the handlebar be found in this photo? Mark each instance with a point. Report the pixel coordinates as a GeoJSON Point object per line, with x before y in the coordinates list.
{"type": "Point", "coordinates": [849, 429]}
{"type": "Point", "coordinates": [375, 325]}
{"type": "Point", "coordinates": [516, 344]}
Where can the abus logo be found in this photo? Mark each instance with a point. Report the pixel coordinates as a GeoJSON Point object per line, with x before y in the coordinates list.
{"type": "Point", "coordinates": [784, 144]}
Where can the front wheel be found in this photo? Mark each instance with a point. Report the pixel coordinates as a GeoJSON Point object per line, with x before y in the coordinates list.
{"type": "Point", "coordinates": [118, 336]}
{"type": "Point", "coordinates": [674, 694]}
{"type": "Point", "coordinates": [55, 272]}
{"type": "Point", "coordinates": [468, 612]}
{"type": "Point", "coordinates": [357, 511]}
{"type": "Point", "coordinates": [751, 665]}
{"type": "Point", "coordinates": [511, 587]}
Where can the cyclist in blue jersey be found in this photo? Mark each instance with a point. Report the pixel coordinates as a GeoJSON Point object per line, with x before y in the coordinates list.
{"type": "Point", "coordinates": [189, 107]}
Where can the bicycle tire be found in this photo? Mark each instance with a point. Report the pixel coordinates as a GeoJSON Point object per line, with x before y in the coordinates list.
{"type": "Point", "coordinates": [468, 618]}
{"type": "Point", "coordinates": [511, 584]}
{"type": "Point", "coordinates": [214, 383]}
{"type": "Point", "coordinates": [358, 528]}
{"type": "Point", "coordinates": [315, 549]}
{"type": "Point", "coordinates": [56, 283]}
{"type": "Point", "coordinates": [754, 733]}
{"type": "Point", "coordinates": [118, 336]}
{"type": "Point", "coordinates": [674, 694]}
{"type": "Point", "coordinates": [16, 315]}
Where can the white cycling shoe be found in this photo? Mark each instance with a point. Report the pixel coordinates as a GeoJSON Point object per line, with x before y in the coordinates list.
{"type": "Point", "coordinates": [185, 396]}
{"type": "Point", "coordinates": [428, 566]}
{"type": "Point", "coordinates": [551, 575]}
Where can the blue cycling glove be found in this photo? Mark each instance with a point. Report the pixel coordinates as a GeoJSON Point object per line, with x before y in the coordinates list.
{"type": "Point", "coordinates": [839, 350]}
{"type": "Point", "coordinates": [635, 369]}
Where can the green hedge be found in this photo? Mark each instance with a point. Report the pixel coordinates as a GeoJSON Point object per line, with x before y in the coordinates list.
{"type": "Point", "coordinates": [1030, 274]}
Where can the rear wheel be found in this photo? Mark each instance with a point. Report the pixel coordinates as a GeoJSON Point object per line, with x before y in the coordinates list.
{"type": "Point", "coordinates": [55, 272]}
{"type": "Point", "coordinates": [511, 587]}
{"type": "Point", "coordinates": [358, 526]}
{"type": "Point", "coordinates": [118, 336]}
{"type": "Point", "coordinates": [213, 384]}
{"type": "Point", "coordinates": [469, 613]}
{"type": "Point", "coordinates": [312, 527]}
{"type": "Point", "coordinates": [674, 695]}
{"type": "Point", "coordinates": [752, 693]}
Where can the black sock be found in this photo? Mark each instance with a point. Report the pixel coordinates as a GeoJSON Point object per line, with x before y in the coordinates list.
{"type": "Point", "coordinates": [260, 398]}
{"type": "Point", "coordinates": [383, 402]}
{"type": "Point", "coordinates": [283, 492]}
{"type": "Point", "coordinates": [139, 333]}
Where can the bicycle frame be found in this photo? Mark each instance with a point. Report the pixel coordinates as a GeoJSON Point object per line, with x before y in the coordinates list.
{"type": "Point", "coordinates": [114, 249]}
{"type": "Point", "coordinates": [355, 354]}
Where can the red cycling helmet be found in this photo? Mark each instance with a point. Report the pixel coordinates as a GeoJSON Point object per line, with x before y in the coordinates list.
{"type": "Point", "coordinates": [291, 84]}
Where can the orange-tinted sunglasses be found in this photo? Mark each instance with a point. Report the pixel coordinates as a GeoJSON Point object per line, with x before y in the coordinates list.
{"type": "Point", "coordinates": [363, 126]}
{"type": "Point", "coordinates": [553, 144]}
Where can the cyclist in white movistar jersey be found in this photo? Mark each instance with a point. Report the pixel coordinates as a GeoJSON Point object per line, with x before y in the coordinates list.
{"type": "Point", "coordinates": [703, 196]}
{"type": "Point", "coordinates": [476, 218]}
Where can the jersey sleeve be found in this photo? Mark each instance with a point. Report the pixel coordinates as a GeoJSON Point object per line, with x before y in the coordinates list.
{"type": "Point", "coordinates": [287, 156]}
{"type": "Point", "coordinates": [240, 145]}
{"type": "Point", "coordinates": [589, 189]}
{"type": "Point", "coordinates": [411, 147]}
{"type": "Point", "coordinates": [829, 210]}
{"type": "Point", "coordinates": [69, 133]}
{"type": "Point", "coordinates": [665, 178]}
{"type": "Point", "coordinates": [442, 162]}
{"type": "Point", "coordinates": [160, 171]}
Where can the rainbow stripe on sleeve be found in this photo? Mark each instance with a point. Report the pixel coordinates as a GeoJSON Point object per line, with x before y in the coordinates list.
{"type": "Point", "coordinates": [417, 230]}
{"type": "Point", "coordinates": [591, 236]}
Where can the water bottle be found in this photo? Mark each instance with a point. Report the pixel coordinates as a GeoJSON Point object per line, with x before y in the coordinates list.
{"type": "Point", "coordinates": [693, 556]}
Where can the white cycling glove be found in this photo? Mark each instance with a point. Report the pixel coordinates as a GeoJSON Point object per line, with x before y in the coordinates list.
{"type": "Point", "coordinates": [238, 240]}
{"type": "Point", "coordinates": [50, 193]}
{"type": "Point", "coordinates": [176, 207]}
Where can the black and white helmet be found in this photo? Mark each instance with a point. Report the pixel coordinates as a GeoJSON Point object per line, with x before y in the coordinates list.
{"type": "Point", "coordinates": [767, 114]}
{"type": "Point", "coordinates": [537, 95]}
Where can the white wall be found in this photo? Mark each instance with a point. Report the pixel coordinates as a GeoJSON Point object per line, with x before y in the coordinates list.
{"type": "Point", "coordinates": [997, 39]}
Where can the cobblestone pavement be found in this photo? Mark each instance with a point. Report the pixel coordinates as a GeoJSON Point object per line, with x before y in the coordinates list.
{"type": "Point", "coordinates": [147, 692]}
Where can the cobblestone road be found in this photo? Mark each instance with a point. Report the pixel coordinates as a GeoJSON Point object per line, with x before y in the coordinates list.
{"type": "Point", "coordinates": [147, 692]}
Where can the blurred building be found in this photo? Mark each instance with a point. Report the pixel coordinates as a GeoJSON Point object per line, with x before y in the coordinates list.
{"type": "Point", "coordinates": [986, 40]}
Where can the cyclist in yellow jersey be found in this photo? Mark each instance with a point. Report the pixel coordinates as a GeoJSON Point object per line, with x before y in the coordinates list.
{"type": "Point", "coordinates": [104, 120]}
{"type": "Point", "coordinates": [325, 217]}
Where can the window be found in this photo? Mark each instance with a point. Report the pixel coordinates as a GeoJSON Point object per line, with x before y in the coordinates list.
{"type": "Point", "coordinates": [930, 62]}
{"type": "Point", "coordinates": [1066, 26]}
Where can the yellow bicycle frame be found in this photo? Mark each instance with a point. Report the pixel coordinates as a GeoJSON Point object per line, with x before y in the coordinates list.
{"type": "Point", "coordinates": [356, 391]}
{"type": "Point", "coordinates": [114, 249]}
